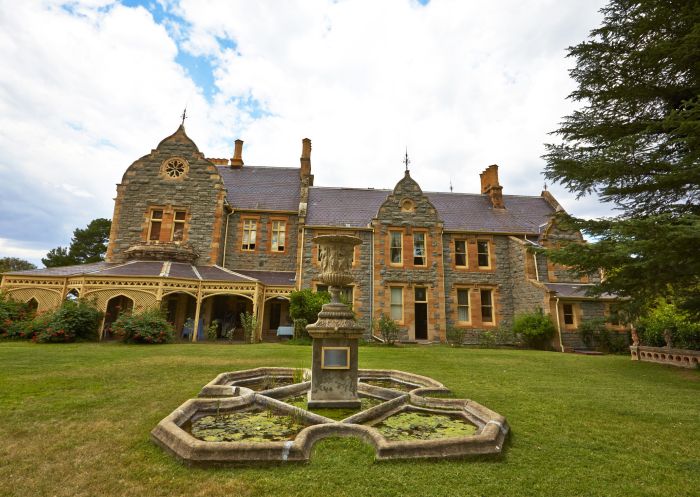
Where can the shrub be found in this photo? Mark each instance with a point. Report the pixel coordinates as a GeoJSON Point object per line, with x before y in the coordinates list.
{"type": "Point", "coordinates": [149, 326]}
{"type": "Point", "coordinates": [487, 339]}
{"type": "Point", "coordinates": [213, 331]}
{"type": "Point", "coordinates": [594, 334]}
{"type": "Point", "coordinates": [14, 318]}
{"type": "Point", "coordinates": [250, 324]}
{"type": "Point", "coordinates": [455, 335]}
{"type": "Point", "coordinates": [388, 329]}
{"type": "Point", "coordinates": [74, 320]}
{"type": "Point", "coordinates": [685, 333]}
{"type": "Point", "coordinates": [306, 304]}
{"type": "Point", "coordinates": [535, 329]}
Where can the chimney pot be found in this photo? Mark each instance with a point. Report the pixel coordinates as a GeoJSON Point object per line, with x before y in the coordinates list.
{"type": "Point", "coordinates": [306, 159]}
{"type": "Point", "coordinates": [490, 186]}
{"type": "Point", "coordinates": [237, 161]}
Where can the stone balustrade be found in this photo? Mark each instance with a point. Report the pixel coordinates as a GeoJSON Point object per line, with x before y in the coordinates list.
{"type": "Point", "coordinates": [665, 355]}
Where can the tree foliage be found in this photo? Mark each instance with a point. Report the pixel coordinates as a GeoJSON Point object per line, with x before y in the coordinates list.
{"type": "Point", "coordinates": [636, 143]}
{"type": "Point", "coordinates": [14, 264]}
{"type": "Point", "coordinates": [306, 304]}
{"type": "Point", "coordinates": [87, 245]}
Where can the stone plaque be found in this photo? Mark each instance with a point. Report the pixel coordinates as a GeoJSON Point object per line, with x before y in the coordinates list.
{"type": "Point", "coordinates": [335, 358]}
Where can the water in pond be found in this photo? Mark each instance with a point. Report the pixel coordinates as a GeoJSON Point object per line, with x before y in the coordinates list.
{"type": "Point", "coordinates": [246, 426]}
{"type": "Point", "coordinates": [410, 425]}
{"type": "Point", "coordinates": [265, 383]}
{"type": "Point", "coordinates": [335, 413]}
{"type": "Point", "coordinates": [389, 383]}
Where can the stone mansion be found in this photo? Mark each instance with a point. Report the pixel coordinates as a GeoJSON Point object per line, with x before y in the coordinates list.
{"type": "Point", "coordinates": [207, 239]}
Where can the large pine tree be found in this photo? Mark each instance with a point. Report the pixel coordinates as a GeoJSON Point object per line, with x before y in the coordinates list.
{"type": "Point", "coordinates": [635, 141]}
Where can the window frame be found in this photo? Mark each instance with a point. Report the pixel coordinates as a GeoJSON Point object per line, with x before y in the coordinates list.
{"type": "Point", "coordinates": [391, 247]}
{"type": "Point", "coordinates": [425, 248]}
{"type": "Point", "coordinates": [152, 220]}
{"type": "Point", "coordinates": [254, 230]}
{"type": "Point", "coordinates": [572, 324]}
{"type": "Point", "coordinates": [479, 253]}
{"type": "Point", "coordinates": [283, 232]}
{"type": "Point", "coordinates": [466, 253]}
{"type": "Point", "coordinates": [468, 306]}
{"type": "Point", "coordinates": [491, 306]}
{"type": "Point", "coordinates": [178, 222]}
{"type": "Point", "coordinates": [401, 306]}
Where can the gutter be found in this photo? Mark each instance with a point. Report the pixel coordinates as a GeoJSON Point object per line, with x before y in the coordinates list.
{"type": "Point", "coordinates": [561, 344]}
{"type": "Point", "coordinates": [223, 259]}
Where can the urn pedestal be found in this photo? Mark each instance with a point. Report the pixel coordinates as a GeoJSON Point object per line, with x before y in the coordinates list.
{"type": "Point", "coordinates": [336, 333]}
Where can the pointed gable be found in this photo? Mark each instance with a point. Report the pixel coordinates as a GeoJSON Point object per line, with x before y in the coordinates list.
{"type": "Point", "coordinates": [407, 205]}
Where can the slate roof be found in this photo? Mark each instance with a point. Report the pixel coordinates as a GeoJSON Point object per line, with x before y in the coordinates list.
{"type": "Point", "coordinates": [144, 268]}
{"type": "Point", "coordinates": [351, 207]}
{"type": "Point", "coordinates": [255, 187]}
{"type": "Point", "coordinates": [271, 277]}
{"type": "Point", "coordinates": [576, 291]}
{"type": "Point", "coordinates": [63, 270]}
{"type": "Point", "coordinates": [355, 207]}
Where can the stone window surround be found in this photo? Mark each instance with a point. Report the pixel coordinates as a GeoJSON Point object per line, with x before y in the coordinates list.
{"type": "Point", "coordinates": [577, 315]}
{"type": "Point", "coordinates": [403, 303]}
{"type": "Point", "coordinates": [426, 244]}
{"type": "Point", "coordinates": [256, 220]}
{"type": "Point", "coordinates": [466, 253]}
{"type": "Point", "coordinates": [285, 221]}
{"type": "Point", "coordinates": [494, 311]}
{"type": "Point", "coordinates": [167, 223]}
{"type": "Point", "coordinates": [401, 237]}
{"type": "Point", "coordinates": [489, 251]}
{"type": "Point", "coordinates": [468, 322]}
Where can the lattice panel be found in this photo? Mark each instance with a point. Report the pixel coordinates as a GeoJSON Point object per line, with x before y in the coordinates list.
{"type": "Point", "coordinates": [142, 300]}
{"type": "Point", "coordinates": [47, 299]}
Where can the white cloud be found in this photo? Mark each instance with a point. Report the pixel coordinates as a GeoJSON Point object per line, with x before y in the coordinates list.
{"type": "Point", "coordinates": [462, 84]}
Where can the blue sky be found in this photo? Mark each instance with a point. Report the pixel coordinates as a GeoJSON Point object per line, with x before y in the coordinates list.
{"type": "Point", "coordinates": [97, 84]}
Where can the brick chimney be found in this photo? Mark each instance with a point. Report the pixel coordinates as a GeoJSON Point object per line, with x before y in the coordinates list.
{"type": "Point", "coordinates": [305, 160]}
{"type": "Point", "coordinates": [491, 187]}
{"type": "Point", "coordinates": [237, 161]}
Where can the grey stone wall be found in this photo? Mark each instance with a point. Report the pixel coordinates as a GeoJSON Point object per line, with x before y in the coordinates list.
{"type": "Point", "coordinates": [262, 259]}
{"type": "Point", "coordinates": [527, 297]}
{"type": "Point", "coordinates": [499, 277]}
{"type": "Point", "coordinates": [143, 186]}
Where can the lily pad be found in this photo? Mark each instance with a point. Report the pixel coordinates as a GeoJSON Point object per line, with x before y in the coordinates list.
{"type": "Point", "coordinates": [410, 425]}
{"type": "Point", "coordinates": [249, 426]}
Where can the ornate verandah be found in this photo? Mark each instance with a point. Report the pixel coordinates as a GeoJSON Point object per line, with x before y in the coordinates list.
{"type": "Point", "coordinates": [145, 284]}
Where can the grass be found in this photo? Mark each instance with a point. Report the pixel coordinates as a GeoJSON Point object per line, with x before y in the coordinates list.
{"type": "Point", "coordinates": [76, 420]}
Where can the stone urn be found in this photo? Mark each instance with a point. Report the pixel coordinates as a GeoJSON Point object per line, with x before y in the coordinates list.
{"type": "Point", "coordinates": [336, 333]}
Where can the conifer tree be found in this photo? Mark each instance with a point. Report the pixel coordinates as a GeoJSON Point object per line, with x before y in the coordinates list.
{"type": "Point", "coordinates": [635, 142]}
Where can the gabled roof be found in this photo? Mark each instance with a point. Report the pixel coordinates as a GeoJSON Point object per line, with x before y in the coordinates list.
{"type": "Point", "coordinates": [267, 188]}
{"type": "Point", "coordinates": [356, 207]}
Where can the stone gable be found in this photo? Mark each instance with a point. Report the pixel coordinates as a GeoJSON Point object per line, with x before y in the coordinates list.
{"type": "Point", "coordinates": [198, 189]}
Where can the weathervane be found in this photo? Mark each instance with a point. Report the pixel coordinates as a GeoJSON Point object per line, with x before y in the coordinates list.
{"type": "Point", "coordinates": [450, 185]}
{"type": "Point", "coordinates": [545, 186]}
{"type": "Point", "coordinates": [184, 116]}
{"type": "Point", "coordinates": [406, 160]}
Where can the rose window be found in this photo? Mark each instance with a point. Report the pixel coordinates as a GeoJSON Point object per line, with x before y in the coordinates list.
{"type": "Point", "coordinates": [175, 168]}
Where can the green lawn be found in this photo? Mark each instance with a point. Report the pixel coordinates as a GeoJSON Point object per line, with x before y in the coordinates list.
{"type": "Point", "coordinates": [76, 420]}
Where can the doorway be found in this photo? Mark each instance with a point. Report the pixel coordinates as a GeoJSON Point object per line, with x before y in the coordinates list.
{"type": "Point", "coordinates": [420, 303]}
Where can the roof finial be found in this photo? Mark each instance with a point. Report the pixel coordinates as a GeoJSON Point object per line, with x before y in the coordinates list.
{"type": "Point", "coordinates": [545, 186]}
{"type": "Point", "coordinates": [184, 116]}
{"type": "Point", "coordinates": [406, 160]}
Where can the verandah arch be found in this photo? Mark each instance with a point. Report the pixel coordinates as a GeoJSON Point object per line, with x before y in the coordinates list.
{"type": "Point", "coordinates": [224, 310]}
